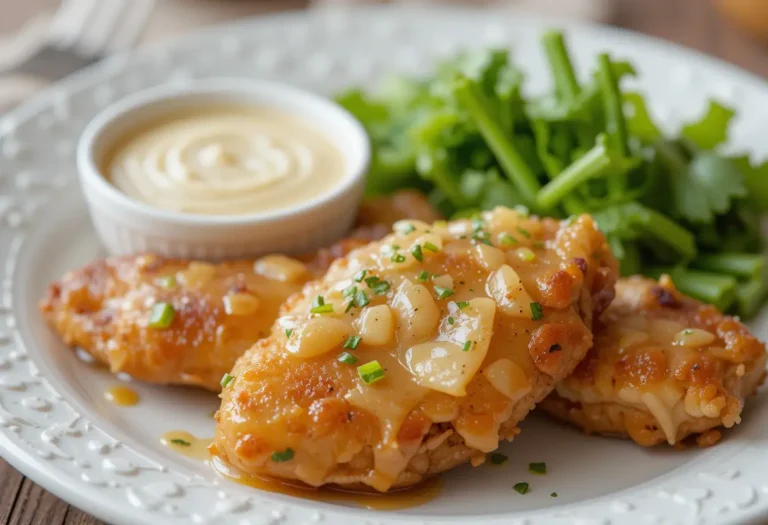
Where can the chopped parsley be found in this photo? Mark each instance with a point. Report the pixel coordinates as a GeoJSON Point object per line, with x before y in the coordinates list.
{"type": "Point", "coordinates": [442, 293]}
{"type": "Point", "coordinates": [451, 320]}
{"type": "Point", "coordinates": [347, 358]}
{"type": "Point", "coordinates": [417, 253]}
{"type": "Point", "coordinates": [498, 459]}
{"type": "Point", "coordinates": [349, 291]}
{"type": "Point", "coordinates": [226, 380]}
{"type": "Point", "coordinates": [431, 247]}
{"type": "Point", "coordinates": [370, 372]}
{"type": "Point", "coordinates": [162, 315]}
{"type": "Point", "coordinates": [280, 457]}
{"type": "Point", "coordinates": [398, 258]}
{"type": "Point", "coordinates": [462, 304]}
{"type": "Point", "coordinates": [359, 276]}
{"type": "Point", "coordinates": [536, 311]}
{"type": "Point", "coordinates": [352, 342]}
{"type": "Point", "coordinates": [507, 240]}
{"type": "Point", "coordinates": [553, 495]}
{"type": "Point", "coordinates": [423, 276]}
{"type": "Point", "coordinates": [467, 346]}
{"type": "Point", "coordinates": [522, 487]}
{"type": "Point", "coordinates": [288, 332]}
{"type": "Point", "coordinates": [181, 442]}
{"type": "Point", "coordinates": [361, 299]}
{"type": "Point", "coordinates": [319, 306]}
{"type": "Point", "coordinates": [377, 286]}
{"type": "Point", "coordinates": [537, 468]}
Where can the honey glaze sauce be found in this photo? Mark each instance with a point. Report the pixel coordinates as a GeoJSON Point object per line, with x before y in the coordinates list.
{"type": "Point", "coordinates": [187, 445]}
{"type": "Point", "coordinates": [121, 395]}
{"type": "Point", "coordinates": [395, 500]}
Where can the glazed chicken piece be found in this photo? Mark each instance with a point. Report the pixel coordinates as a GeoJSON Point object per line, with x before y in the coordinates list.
{"type": "Point", "coordinates": [663, 367]}
{"type": "Point", "coordinates": [218, 310]}
{"type": "Point", "coordinates": [416, 353]}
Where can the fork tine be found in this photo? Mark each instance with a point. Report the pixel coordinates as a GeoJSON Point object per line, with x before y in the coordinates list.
{"type": "Point", "coordinates": [101, 25]}
{"type": "Point", "coordinates": [69, 21]}
{"type": "Point", "coordinates": [132, 26]}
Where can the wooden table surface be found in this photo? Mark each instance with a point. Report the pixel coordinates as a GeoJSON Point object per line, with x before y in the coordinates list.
{"type": "Point", "coordinates": [693, 23]}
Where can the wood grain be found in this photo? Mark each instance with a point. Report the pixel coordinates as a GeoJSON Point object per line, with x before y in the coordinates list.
{"type": "Point", "coordinates": [693, 23]}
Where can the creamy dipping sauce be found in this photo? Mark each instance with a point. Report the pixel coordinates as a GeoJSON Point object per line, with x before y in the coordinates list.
{"type": "Point", "coordinates": [226, 160]}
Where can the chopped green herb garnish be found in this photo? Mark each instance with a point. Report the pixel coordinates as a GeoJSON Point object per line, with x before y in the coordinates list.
{"type": "Point", "coordinates": [536, 311]}
{"type": "Point", "coordinates": [319, 300]}
{"type": "Point", "coordinates": [398, 258]}
{"type": "Point", "coordinates": [539, 245]}
{"type": "Point", "coordinates": [350, 305]}
{"type": "Point", "coordinates": [347, 358]}
{"type": "Point", "coordinates": [361, 299]}
{"type": "Point", "coordinates": [467, 346]}
{"type": "Point", "coordinates": [451, 320]}
{"type": "Point", "coordinates": [507, 240]}
{"type": "Point", "coordinates": [349, 291]}
{"type": "Point", "coordinates": [162, 315]}
{"type": "Point", "coordinates": [521, 488]}
{"type": "Point", "coordinates": [442, 293]}
{"type": "Point", "coordinates": [226, 380]}
{"type": "Point", "coordinates": [431, 247]}
{"type": "Point", "coordinates": [322, 309]}
{"type": "Point", "coordinates": [181, 442]}
{"type": "Point", "coordinates": [526, 254]}
{"type": "Point", "coordinates": [462, 304]}
{"type": "Point", "coordinates": [688, 331]}
{"type": "Point", "coordinates": [498, 459]}
{"type": "Point", "coordinates": [525, 233]}
{"type": "Point", "coordinates": [377, 286]}
{"type": "Point", "coordinates": [280, 457]}
{"type": "Point", "coordinates": [423, 276]}
{"type": "Point", "coordinates": [359, 276]}
{"type": "Point", "coordinates": [352, 342]}
{"type": "Point", "coordinates": [417, 253]}
{"type": "Point", "coordinates": [537, 468]}
{"type": "Point", "coordinates": [370, 372]}
{"type": "Point", "coordinates": [288, 332]}
{"type": "Point", "coordinates": [477, 223]}
{"type": "Point", "coordinates": [553, 495]}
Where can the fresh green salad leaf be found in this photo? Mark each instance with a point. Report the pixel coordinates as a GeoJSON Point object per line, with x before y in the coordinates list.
{"type": "Point", "coordinates": [471, 137]}
{"type": "Point", "coordinates": [712, 129]}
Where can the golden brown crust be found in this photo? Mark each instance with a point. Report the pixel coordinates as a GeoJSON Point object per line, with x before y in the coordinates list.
{"type": "Point", "coordinates": [397, 431]}
{"type": "Point", "coordinates": [104, 306]}
{"type": "Point", "coordinates": [663, 367]}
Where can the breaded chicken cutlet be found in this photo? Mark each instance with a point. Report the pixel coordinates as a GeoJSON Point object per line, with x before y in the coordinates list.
{"type": "Point", "coordinates": [664, 367]}
{"type": "Point", "coordinates": [417, 353]}
{"type": "Point", "coordinates": [216, 311]}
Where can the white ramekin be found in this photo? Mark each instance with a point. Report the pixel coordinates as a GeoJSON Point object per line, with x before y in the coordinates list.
{"type": "Point", "coordinates": [126, 225]}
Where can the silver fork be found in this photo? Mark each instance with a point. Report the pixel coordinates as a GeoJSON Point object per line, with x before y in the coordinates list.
{"type": "Point", "coordinates": [83, 32]}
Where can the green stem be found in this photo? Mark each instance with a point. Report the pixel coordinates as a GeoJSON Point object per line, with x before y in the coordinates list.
{"type": "Point", "coordinates": [614, 118]}
{"type": "Point", "coordinates": [666, 230]}
{"type": "Point", "coordinates": [592, 164]}
{"type": "Point", "coordinates": [512, 163]}
{"type": "Point", "coordinates": [740, 265]}
{"type": "Point", "coordinates": [750, 297]}
{"type": "Point", "coordinates": [716, 289]}
{"type": "Point", "coordinates": [563, 74]}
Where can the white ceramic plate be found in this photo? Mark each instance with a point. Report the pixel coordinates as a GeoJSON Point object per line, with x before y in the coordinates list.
{"type": "Point", "coordinates": [56, 427]}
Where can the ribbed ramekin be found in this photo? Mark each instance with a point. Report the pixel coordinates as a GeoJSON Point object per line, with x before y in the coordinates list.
{"type": "Point", "coordinates": [126, 225]}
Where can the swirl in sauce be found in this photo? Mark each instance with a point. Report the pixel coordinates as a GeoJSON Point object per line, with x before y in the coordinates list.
{"type": "Point", "coordinates": [228, 160]}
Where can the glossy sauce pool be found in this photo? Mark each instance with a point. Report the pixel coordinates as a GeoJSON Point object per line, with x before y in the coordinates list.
{"type": "Point", "coordinates": [121, 395]}
{"type": "Point", "coordinates": [199, 449]}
